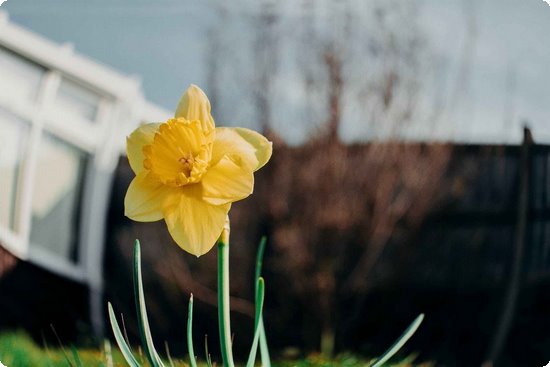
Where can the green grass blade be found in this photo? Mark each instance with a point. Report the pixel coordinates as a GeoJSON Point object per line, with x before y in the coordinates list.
{"type": "Point", "coordinates": [264, 350]}
{"type": "Point", "coordinates": [145, 332]}
{"type": "Point", "coordinates": [108, 352]}
{"type": "Point", "coordinates": [76, 357]}
{"type": "Point", "coordinates": [190, 348]}
{"type": "Point", "coordinates": [400, 342]}
{"type": "Point", "coordinates": [122, 345]}
{"type": "Point", "coordinates": [61, 346]}
{"type": "Point", "coordinates": [208, 357]}
{"type": "Point", "coordinates": [168, 355]}
{"type": "Point", "coordinates": [260, 287]}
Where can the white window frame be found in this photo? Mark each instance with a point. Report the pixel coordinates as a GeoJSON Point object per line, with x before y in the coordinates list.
{"type": "Point", "coordinates": [121, 109]}
{"type": "Point", "coordinates": [86, 136]}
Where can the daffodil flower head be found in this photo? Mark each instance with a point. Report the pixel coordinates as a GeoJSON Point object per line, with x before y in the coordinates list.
{"type": "Point", "coordinates": [188, 172]}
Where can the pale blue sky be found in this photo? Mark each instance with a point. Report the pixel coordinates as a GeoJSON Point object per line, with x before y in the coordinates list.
{"type": "Point", "coordinates": [509, 80]}
{"type": "Point", "coordinates": [160, 41]}
{"type": "Point", "coordinates": [164, 42]}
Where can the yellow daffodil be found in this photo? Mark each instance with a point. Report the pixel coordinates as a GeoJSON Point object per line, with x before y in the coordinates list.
{"type": "Point", "coordinates": [188, 172]}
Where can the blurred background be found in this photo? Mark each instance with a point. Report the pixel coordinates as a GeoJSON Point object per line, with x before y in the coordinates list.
{"type": "Point", "coordinates": [410, 171]}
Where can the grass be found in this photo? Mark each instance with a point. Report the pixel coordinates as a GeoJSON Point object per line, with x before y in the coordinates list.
{"type": "Point", "coordinates": [19, 350]}
{"type": "Point", "coordinates": [345, 360]}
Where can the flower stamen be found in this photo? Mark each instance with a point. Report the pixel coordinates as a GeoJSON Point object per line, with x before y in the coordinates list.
{"type": "Point", "coordinates": [186, 161]}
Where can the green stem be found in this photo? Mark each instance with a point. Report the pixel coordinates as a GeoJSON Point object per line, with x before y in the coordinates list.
{"type": "Point", "coordinates": [223, 302]}
{"type": "Point", "coordinates": [190, 349]}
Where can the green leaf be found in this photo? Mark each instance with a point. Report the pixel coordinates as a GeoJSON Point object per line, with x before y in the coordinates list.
{"type": "Point", "coordinates": [108, 352]}
{"type": "Point", "coordinates": [208, 358]}
{"type": "Point", "coordinates": [259, 262]}
{"type": "Point", "coordinates": [190, 348]}
{"type": "Point", "coordinates": [260, 289]}
{"type": "Point", "coordinates": [264, 350]}
{"type": "Point", "coordinates": [145, 332]}
{"type": "Point", "coordinates": [122, 345]}
{"type": "Point", "coordinates": [76, 357]}
{"type": "Point", "coordinates": [400, 342]}
{"type": "Point", "coordinates": [61, 346]}
{"type": "Point", "coordinates": [168, 355]}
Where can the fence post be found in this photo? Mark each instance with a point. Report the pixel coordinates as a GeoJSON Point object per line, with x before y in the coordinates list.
{"type": "Point", "coordinates": [514, 285]}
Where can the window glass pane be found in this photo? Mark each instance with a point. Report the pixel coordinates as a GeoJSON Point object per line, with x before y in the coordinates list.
{"type": "Point", "coordinates": [56, 197]}
{"type": "Point", "coordinates": [13, 140]}
{"type": "Point", "coordinates": [19, 77]}
{"type": "Point", "coordinates": [76, 100]}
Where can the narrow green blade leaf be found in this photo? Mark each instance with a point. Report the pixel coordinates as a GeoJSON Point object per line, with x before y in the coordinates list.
{"type": "Point", "coordinates": [400, 342]}
{"type": "Point", "coordinates": [168, 355]}
{"type": "Point", "coordinates": [260, 287]}
{"type": "Point", "coordinates": [259, 262]}
{"type": "Point", "coordinates": [124, 348]}
{"type": "Point", "coordinates": [264, 350]}
{"type": "Point", "coordinates": [145, 332]}
{"type": "Point", "coordinates": [61, 346]}
{"type": "Point", "coordinates": [190, 348]}
{"type": "Point", "coordinates": [76, 357]}
{"type": "Point", "coordinates": [208, 358]}
{"type": "Point", "coordinates": [108, 352]}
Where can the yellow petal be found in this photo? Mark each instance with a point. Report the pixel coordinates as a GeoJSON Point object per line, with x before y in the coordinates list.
{"type": "Point", "coordinates": [227, 181]}
{"type": "Point", "coordinates": [263, 147]}
{"type": "Point", "coordinates": [194, 105]}
{"type": "Point", "coordinates": [146, 198]}
{"type": "Point", "coordinates": [140, 137]}
{"type": "Point", "coordinates": [194, 224]}
{"type": "Point", "coordinates": [253, 148]}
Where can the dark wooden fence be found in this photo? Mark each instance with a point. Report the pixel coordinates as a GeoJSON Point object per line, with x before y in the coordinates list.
{"type": "Point", "coordinates": [472, 233]}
